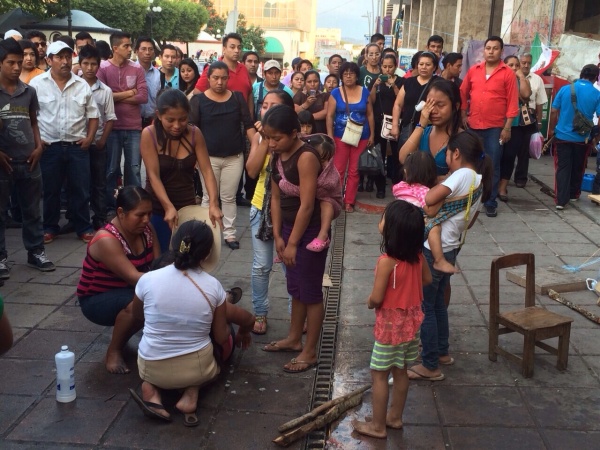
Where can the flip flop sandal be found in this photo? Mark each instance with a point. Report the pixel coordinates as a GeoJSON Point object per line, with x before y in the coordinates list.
{"type": "Point", "coordinates": [317, 245]}
{"type": "Point", "coordinates": [190, 420]}
{"type": "Point", "coordinates": [295, 362]}
{"type": "Point", "coordinates": [260, 325]}
{"type": "Point", "coordinates": [236, 295]}
{"type": "Point", "coordinates": [272, 347]}
{"type": "Point", "coordinates": [420, 376]}
{"type": "Point", "coordinates": [145, 407]}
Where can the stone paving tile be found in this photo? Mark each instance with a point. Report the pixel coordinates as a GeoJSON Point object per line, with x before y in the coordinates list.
{"type": "Point", "coordinates": [482, 405]}
{"type": "Point", "coordinates": [572, 408]}
{"type": "Point", "coordinates": [69, 318]}
{"type": "Point", "coordinates": [13, 406]}
{"type": "Point", "coordinates": [80, 422]}
{"type": "Point", "coordinates": [134, 430]}
{"type": "Point", "coordinates": [586, 341]}
{"type": "Point", "coordinates": [263, 429]}
{"type": "Point", "coordinates": [26, 377]}
{"type": "Point", "coordinates": [353, 338]}
{"type": "Point", "coordinates": [475, 369]}
{"type": "Point", "coordinates": [357, 314]}
{"type": "Point", "coordinates": [353, 367]}
{"type": "Point", "coordinates": [92, 380]}
{"type": "Point", "coordinates": [468, 339]}
{"type": "Point", "coordinates": [578, 373]}
{"type": "Point", "coordinates": [411, 437]}
{"type": "Point", "coordinates": [465, 315]}
{"type": "Point", "coordinates": [256, 361]}
{"type": "Point", "coordinates": [289, 396]}
{"type": "Point", "coordinates": [42, 294]}
{"type": "Point", "coordinates": [28, 316]}
{"type": "Point", "coordinates": [496, 438]}
{"type": "Point", "coordinates": [17, 332]}
{"type": "Point", "coordinates": [57, 276]}
{"type": "Point", "coordinates": [43, 344]}
{"type": "Point", "coordinates": [562, 439]}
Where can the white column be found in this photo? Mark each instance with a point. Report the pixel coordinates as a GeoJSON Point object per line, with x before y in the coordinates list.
{"type": "Point", "coordinates": [457, 25]}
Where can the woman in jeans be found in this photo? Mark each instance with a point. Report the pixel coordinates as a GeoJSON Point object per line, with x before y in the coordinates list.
{"type": "Point", "coordinates": [361, 110]}
{"type": "Point", "coordinates": [262, 260]}
{"type": "Point", "coordinates": [218, 112]}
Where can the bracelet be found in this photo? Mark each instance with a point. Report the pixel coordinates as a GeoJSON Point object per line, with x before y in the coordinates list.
{"type": "Point", "coordinates": [419, 126]}
{"type": "Point", "coordinates": [506, 129]}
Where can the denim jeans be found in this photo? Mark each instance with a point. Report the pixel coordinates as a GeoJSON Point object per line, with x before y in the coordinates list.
{"type": "Point", "coordinates": [434, 329]}
{"type": "Point", "coordinates": [27, 191]}
{"type": "Point", "coordinates": [128, 143]}
{"type": "Point", "coordinates": [70, 162]}
{"type": "Point", "coordinates": [98, 183]}
{"type": "Point", "coordinates": [163, 231]}
{"type": "Point", "coordinates": [262, 263]}
{"type": "Point", "coordinates": [492, 147]}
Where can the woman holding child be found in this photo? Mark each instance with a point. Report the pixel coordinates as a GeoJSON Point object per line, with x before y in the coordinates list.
{"type": "Point", "coordinates": [296, 216]}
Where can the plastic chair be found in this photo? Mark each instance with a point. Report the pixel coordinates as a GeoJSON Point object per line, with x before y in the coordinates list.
{"type": "Point", "coordinates": [534, 323]}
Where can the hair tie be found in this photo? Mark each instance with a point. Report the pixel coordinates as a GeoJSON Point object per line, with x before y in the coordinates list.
{"type": "Point", "coordinates": [183, 247]}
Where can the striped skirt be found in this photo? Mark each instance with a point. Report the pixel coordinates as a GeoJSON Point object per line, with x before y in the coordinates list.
{"type": "Point", "coordinates": [385, 356]}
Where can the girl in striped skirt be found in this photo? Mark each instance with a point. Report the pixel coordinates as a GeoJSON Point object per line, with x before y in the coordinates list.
{"type": "Point", "coordinates": [397, 294]}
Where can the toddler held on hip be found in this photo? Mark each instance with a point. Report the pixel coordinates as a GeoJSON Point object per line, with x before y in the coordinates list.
{"type": "Point", "coordinates": [420, 176]}
{"type": "Point", "coordinates": [329, 189]}
{"type": "Point", "coordinates": [397, 295]}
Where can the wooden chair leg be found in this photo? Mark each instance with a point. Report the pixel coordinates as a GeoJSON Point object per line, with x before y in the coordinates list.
{"type": "Point", "coordinates": [493, 342]}
{"type": "Point", "coordinates": [563, 348]}
{"type": "Point", "coordinates": [528, 353]}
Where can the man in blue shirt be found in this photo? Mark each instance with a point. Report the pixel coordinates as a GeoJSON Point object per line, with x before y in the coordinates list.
{"type": "Point", "coordinates": [144, 49]}
{"type": "Point", "coordinates": [272, 74]}
{"type": "Point", "coordinates": [572, 148]}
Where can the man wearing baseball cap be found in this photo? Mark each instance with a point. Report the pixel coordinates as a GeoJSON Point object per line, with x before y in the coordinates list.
{"type": "Point", "coordinates": [68, 120]}
{"type": "Point", "coordinates": [272, 74]}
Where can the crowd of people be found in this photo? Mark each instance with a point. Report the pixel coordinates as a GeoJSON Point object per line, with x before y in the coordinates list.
{"type": "Point", "coordinates": [289, 149]}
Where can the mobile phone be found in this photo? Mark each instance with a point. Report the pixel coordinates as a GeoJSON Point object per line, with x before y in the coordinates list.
{"type": "Point", "coordinates": [383, 78]}
{"type": "Point", "coordinates": [312, 93]}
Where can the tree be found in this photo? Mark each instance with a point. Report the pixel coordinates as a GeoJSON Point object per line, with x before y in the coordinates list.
{"type": "Point", "coordinates": [192, 16]}
{"type": "Point", "coordinates": [127, 15]}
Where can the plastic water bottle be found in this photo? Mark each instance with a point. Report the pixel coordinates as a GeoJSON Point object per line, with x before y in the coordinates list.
{"type": "Point", "coordinates": [65, 375]}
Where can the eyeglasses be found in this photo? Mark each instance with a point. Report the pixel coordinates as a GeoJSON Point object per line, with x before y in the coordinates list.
{"type": "Point", "coordinates": [40, 44]}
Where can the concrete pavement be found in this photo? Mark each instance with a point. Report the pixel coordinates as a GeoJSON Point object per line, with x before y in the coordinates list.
{"type": "Point", "coordinates": [481, 404]}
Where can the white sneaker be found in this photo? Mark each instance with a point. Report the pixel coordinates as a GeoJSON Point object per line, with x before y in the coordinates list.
{"type": "Point", "coordinates": [4, 270]}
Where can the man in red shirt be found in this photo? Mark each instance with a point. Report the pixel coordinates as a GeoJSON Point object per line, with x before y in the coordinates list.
{"type": "Point", "coordinates": [239, 79]}
{"type": "Point", "coordinates": [489, 96]}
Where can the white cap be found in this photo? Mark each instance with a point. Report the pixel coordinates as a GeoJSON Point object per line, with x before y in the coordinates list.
{"type": "Point", "coordinates": [56, 47]}
{"type": "Point", "coordinates": [13, 34]}
{"type": "Point", "coordinates": [272, 64]}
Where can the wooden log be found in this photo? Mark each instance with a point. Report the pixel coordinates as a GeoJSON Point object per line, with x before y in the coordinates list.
{"type": "Point", "coordinates": [319, 409]}
{"type": "Point", "coordinates": [332, 413]}
{"type": "Point", "coordinates": [584, 312]}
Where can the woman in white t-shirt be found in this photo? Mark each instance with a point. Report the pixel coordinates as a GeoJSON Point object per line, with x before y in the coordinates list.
{"type": "Point", "coordinates": [181, 304]}
{"type": "Point", "coordinates": [462, 192]}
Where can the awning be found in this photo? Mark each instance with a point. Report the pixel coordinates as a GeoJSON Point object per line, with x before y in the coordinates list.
{"type": "Point", "coordinates": [274, 48]}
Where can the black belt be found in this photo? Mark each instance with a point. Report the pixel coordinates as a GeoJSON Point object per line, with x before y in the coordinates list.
{"type": "Point", "coordinates": [64, 143]}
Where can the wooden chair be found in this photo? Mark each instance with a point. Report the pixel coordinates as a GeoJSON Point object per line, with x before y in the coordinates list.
{"type": "Point", "coordinates": [534, 323]}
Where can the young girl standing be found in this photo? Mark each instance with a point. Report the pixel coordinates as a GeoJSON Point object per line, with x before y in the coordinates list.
{"type": "Point", "coordinates": [400, 275]}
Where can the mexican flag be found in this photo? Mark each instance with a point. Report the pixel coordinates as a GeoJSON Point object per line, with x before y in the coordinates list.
{"type": "Point", "coordinates": [542, 56]}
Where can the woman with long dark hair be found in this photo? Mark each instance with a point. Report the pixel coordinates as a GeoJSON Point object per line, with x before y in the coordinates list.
{"type": "Point", "coordinates": [188, 76]}
{"type": "Point", "coordinates": [170, 149]}
{"type": "Point", "coordinates": [439, 121]}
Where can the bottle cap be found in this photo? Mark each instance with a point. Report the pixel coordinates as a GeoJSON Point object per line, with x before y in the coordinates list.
{"type": "Point", "coordinates": [65, 348]}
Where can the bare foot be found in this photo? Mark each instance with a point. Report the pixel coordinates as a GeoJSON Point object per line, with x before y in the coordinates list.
{"type": "Point", "coordinates": [445, 266]}
{"type": "Point", "coordinates": [392, 422]}
{"type": "Point", "coordinates": [152, 395]}
{"type": "Point", "coordinates": [368, 429]}
{"type": "Point", "coordinates": [115, 363]}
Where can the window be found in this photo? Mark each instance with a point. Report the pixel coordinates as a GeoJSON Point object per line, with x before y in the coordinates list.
{"type": "Point", "coordinates": [270, 10]}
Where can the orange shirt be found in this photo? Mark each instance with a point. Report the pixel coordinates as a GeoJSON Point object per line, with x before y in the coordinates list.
{"type": "Point", "coordinates": [31, 75]}
{"type": "Point", "coordinates": [490, 101]}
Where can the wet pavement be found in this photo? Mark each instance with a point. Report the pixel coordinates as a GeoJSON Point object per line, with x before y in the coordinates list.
{"type": "Point", "coordinates": [480, 404]}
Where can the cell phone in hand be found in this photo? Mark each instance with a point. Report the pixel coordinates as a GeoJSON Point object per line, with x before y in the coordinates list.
{"type": "Point", "coordinates": [384, 78]}
{"type": "Point", "coordinates": [312, 93]}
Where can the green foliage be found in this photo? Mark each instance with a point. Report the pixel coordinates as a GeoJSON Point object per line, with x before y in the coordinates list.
{"type": "Point", "coordinates": [128, 15]}
{"type": "Point", "coordinates": [192, 16]}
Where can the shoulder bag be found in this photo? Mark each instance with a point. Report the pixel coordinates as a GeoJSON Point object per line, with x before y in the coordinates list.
{"type": "Point", "coordinates": [354, 129]}
{"type": "Point", "coordinates": [370, 161]}
{"type": "Point", "coordinates": [581, 124]}
{"type": "Point", "coordinates": [387, 121]}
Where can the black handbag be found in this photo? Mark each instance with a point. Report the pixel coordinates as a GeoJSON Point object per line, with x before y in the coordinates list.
{"type": "Point", "coordinates": [370, 161]}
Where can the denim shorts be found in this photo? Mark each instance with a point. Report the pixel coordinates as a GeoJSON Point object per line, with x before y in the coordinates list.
{"type": "Point", "coordinates": [103, 309]}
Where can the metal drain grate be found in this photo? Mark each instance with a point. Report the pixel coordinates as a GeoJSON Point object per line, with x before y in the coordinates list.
{"type": "Point", "coordinates": [323, 383]}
